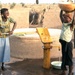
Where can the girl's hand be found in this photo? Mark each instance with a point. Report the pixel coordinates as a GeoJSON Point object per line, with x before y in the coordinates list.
{"type": "Point", "coordinates": [0, 34]}
{"type": "Point", "coordinates": [10, 33]}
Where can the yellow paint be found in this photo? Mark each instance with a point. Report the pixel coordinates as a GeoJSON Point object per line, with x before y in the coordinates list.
{"type": "Point", "coordinates": [46, 63]}
{"type": "Point", "coordinates": [46, 40]}
{"type": "Point", "coordinates": [44, 35]}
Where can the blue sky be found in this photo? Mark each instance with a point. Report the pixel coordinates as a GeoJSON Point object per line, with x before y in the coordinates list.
{"type": "Point", "coordinates": [29, 1]}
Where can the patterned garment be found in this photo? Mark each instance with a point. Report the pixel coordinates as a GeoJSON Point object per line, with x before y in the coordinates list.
{"type": "Point", "coordinates": [4, 40]}
{"type": "Point", "coordinates": [5, 27]}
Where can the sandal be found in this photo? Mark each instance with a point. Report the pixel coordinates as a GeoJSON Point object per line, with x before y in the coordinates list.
{"type": "Point", "coordinates": [3, 68]}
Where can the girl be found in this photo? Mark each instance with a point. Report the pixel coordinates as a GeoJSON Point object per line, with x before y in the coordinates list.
{"type": "Point", "coordinates": [4, 36]}
{"type": "Point", "coordinates": [65, 40]}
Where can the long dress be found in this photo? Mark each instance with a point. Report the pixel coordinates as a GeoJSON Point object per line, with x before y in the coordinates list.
{"type": "Point", "coordinates": [4, 40]}
{"type": "Point", "coordinates": [4, 50]}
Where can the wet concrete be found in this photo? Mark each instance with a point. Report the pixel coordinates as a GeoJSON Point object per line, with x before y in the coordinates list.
{"type": "Point", "coordinates": [30, 67]}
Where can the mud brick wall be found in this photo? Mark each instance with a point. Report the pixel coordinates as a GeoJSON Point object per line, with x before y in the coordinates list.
{"type": "Point", "coordinates": [21, 17]}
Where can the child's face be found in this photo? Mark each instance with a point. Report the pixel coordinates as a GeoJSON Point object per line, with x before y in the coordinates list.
{"type": "Point", "coordinates": [67, 18]}
{"type": "Point", "coordinates": [6, 14]}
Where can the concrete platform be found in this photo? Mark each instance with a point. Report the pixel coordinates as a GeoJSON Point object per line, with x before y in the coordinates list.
{"type": "Point", "coordinates": [30, 67]}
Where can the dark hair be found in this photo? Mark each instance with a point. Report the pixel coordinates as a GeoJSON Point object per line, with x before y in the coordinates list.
{"type": "Point", "coordinates": [3, 10]}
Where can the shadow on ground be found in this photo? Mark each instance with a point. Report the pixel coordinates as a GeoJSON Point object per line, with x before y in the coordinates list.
{"type": "Point", "coordinates": [29, 67]}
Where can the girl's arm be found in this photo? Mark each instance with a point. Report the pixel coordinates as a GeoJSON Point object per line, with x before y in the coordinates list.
{"type": "Point", "coordinates": [14, 26]}
{"type": "Point", "coordinates": [72, 25]}
{"type": "Point", "coordinates": [61, 17]}
{"type": "Point", "coordinates": [74, 18]}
